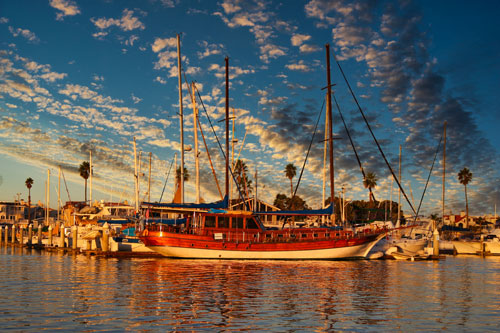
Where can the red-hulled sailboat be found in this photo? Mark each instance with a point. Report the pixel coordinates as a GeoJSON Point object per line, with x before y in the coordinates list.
{"type": "Point", "coordinates": [221, 234]}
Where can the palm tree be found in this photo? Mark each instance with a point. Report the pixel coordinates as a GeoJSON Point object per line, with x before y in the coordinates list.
{"type": "Point", "coordinates": [178, 175]}
{"type": "Point", "coordinates": [85, 173]}
{"type": "Point", "coordinates": [465, 176]}
{"type": "Point", "coordinates": [241, 171]}
{"type": "Point", "coordinates": [370, 182]}
{"type": "Point", "coordinates": [290, 172]}
{"type": "Point", "coordinates": [29, 184]}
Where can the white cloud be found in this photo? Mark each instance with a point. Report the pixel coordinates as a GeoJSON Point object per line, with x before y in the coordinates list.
{"type": "Point", "coordinates": [24, 33]}
{"type": "Point", "coordinates": [159, 43]}
{"type": "Point", "coordinates": [161, 80]}
{"type": "Point", "coordinates": [67, 8]}
{"type": "Point", "coordinates": [209, 49]}
{"type": "Point", "coordinates": [306, 48]}
{"type": "Point", "coordinates": [53, 76]}
{"type": "Point", "coordinates": [229, 7]}
{"type": "Point", "coordinates": [126, 23]}
{"type": "Point", "coordinates": [4, 20]}
{"type": "Point", "coordinates": [298, 67]}
{"type": "Point", "coordinates": [136, 99]}
{"type": "Point", "coordinates": [299, 39]}
{"type": "Point", "coordinates": [271, 51]}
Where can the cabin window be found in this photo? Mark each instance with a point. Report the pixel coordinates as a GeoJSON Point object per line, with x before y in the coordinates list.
{"type": "Point", "coordinates": [280, 235]}
{"type": "Point", "coordinates": [292, 235]}
{"type": "Point", "coordinates": [304, 235]}
{"type": "Point", "coordinates": [223, 222]}
{"type": "Point", "coordinates": [315, 235]}
{"type": "Point", "coordinates": [251, 224]}
{"type": "Point", "coordinates": [327, 235]}
{"type": "Point", "coordinates": [237, 222]}
{"type": "Point", "coordinates": [209, 221]}
{"type": "Point", "coordinates": [268, 235]}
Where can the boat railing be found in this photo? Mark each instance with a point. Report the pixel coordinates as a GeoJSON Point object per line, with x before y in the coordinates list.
{"type": "Point", "coordinates": [268, 236]}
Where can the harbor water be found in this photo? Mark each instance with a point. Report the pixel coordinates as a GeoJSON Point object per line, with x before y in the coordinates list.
{"type": "Point", "coordinates": [49, 290]}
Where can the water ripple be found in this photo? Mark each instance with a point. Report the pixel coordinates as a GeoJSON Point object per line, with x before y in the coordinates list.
{"type": "Point", "coordinates": [49, 291]}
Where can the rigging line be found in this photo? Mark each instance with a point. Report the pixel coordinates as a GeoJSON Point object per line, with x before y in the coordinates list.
{"type": "Point", "coordinates": [308, 151]}
{"type": "Point", "coordinates": [428, 177]}
{"type": "Point", "coordinates": [166, 180]}
{"type": "Point", "coordinates": [66, 185]}
{"type": "Point", "coordinates": [373, 135]}
{"type": "Point", "coordinates": [209, 158]}
{"type": "Point", "coordinates": [203, 137]}
{"type": "Point", "coordinates": [352, 143]}
{"type": "Point", "coordinates": [220, 147]}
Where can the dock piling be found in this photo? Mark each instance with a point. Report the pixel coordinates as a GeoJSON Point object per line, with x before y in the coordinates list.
{"type": "Point", "coordinates": [13, 234]}
{"type": "Point", "coordinates": [50, 235]}
{"type": "Point", "coordinates": [105, 238]}
{"type": "Point", "coordinates": [75, 237]}
{"type": "Point", "coordinates": [39, 235]}
{"type": "Point", "coordinates": [21, 235]}
{"type": "Point", "coordinates": [61, 237]}
{"type": "Point", "coordinates": [30, 234]}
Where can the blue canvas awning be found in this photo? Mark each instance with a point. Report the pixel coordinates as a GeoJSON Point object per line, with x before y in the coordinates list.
{"type": "Point", "coordinates": [213, 205]}
{"type": "Point", "coordinates": [326, 211]}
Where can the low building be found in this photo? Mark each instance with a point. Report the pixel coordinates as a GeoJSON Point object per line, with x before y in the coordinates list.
{"type": "Point", "coordinates": [11, 211]}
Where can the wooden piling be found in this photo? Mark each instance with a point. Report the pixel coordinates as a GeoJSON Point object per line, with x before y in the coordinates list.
{"type": "Point", "coordinates": [6, 235]}
{"type": "Point", "coordinates": [1, 235]}
{"type": "Point", "coordinates": [75, 237]}
{"type": "Point", "coordinates": [39, 234]}
{"type": "Point", "coordinates": [50, 235]}
{"type": "Point", "coordinates": [21, 235]}
{"type": "Point", "coordinates": [105, 238]}
{"type": "Point", "coordinates": [30, 234]}
{"type": "Point", "coordinates": [61, 237]}
{"type": "Point", "coordinates": [13, 234]}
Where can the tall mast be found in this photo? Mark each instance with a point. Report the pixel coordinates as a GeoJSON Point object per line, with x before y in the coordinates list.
{"type": "Point", "coordinates": [196, 157]}
{"type": "Point", "coordinates": [256, 187]}
{"type": "Point", "coordinates": [136, 179]}
{"type": "Point", "coordinates": [149, 179]}
{"type": "Point", "coordinates": [48, 196]}
{"type": "Point", "coordinates": [444, 167]}
{"type": "Point", "coordinates": [232, 156]}
{"type": "Point", "coordinates": [324, 164]}
{"type": "Point", "coordinates": [90, 176]}
{"type": "Point", "coordinates": [181, 120]}
{"type": "Point", "coordinates": [330, 127]}
{"type": "Point", "coordinates": [59, 195]}
{"type": "Point", "coordinates": [227, 126]}
{"type": "Point", "coordinates": [399, 196]}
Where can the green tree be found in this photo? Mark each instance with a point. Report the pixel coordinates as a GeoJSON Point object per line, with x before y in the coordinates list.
{"type": "Point", "coordinates": [241, 172]}
{"type": "Point", "coordinates": [29, 184]}
{"type": "Point", "coordinates": [370, 182]}
{"type": "Point", "coordinates": [465, 176]}
{"type": "Point", "coordinates": [290, 172]}
{"type": "Point", "coordinates": [284, 203]}
{"type": "Point", "coordinates": [84, 170]}
{"type": "Point", "coordinates": [178, 175]}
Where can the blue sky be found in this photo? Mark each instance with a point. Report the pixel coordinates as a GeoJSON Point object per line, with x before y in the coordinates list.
{"type": "Point", "coordinates": [81, 76]}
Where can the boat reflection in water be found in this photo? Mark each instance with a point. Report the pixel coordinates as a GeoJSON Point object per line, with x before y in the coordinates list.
{"type": "Point", "coordinates": [49, 291]}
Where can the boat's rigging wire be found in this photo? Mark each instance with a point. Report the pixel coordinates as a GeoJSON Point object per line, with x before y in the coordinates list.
{"type": "Point", "coordinates": [373, 135]}
{"type": "Point", "coordinates": [428, 177]}
{"type": "Point", "coordinates": [352, 144]}
{"type": "Point", "coordinates": [220, 147]}
{"type": "Point", "coordinates": [166, 180]}
{"type": "Point", "coordinates": [308, 151]}
{"type": "Point", "coordinates": [205, 143]}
